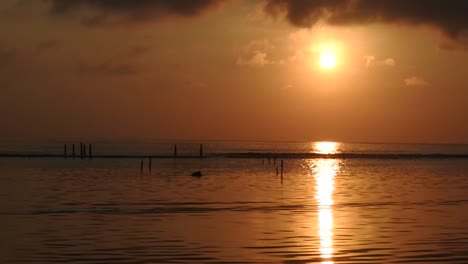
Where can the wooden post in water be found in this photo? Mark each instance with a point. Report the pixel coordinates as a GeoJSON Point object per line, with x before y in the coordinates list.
{"type": "Point", "coordinates": [84, 151]}
{"type": "Point", "coordinates": [90, 150]}
{"type": "Point", "coordinates": [201, 151]}
{"type": "Point", "coordinates": [141, 166]}
{"type": "Point", "coordinates": [149, 164]}
{"type": "Point", "coordinates": [175, 150]}
{"type": "Point", "coordinates": [73, 150]}
{"type": "Point", "coordinates": [281, 171]}
{"type": "Point", "coordinates": [81, 150]}
{"type": "Point", "coordinates": [276, 171]}
{"type": "Point", "coordinates": [65, 150]}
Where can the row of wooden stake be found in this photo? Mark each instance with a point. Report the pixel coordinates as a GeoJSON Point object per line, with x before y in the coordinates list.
{"type": "Point", "coordinates": [274, 162]}
{"type": "Point", "coordinates": [175, 156]}
{"type": "Point", "coordinates": [89, 154]}
{"type": "Point", "coordinates": [83, 153]}
{"type": "Point", "coordinates": [175, 150]}
{"type": "Point", "coordinates": [149, 165]}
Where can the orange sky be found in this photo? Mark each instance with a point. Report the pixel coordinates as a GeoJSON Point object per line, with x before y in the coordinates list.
{"type": "Point", "coordinates": [232, 70]}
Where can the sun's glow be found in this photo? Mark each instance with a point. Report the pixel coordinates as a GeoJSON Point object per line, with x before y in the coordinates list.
{"type": "Point", "coordinates": [327, 60]}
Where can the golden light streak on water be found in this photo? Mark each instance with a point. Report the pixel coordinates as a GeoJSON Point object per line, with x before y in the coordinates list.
{"type": "Point", "coordinates": [324, 171]}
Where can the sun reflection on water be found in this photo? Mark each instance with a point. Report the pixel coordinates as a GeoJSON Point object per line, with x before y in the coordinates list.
{"type": "Point", "coordinates": [324, 171]}
{"type": "Point", "coordinates": [325, 147]}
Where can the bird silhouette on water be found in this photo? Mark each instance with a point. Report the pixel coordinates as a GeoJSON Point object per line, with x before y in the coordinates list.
{"type": "Point", "coordinates": [197, 174]}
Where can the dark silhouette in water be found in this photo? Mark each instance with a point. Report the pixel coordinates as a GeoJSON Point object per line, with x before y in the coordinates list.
{"type": "Point", "coordinates": [197, 174]}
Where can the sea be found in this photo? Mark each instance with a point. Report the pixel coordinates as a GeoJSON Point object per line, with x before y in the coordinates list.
{"type": "Point", "coordinates": [255, 202]}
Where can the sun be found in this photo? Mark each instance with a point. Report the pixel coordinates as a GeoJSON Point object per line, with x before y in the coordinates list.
{"type": "Point", "coordinates": [327, 60]}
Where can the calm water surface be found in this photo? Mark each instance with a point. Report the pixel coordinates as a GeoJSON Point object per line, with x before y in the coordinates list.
{"type": "Point", "coordinates": [323, 211]}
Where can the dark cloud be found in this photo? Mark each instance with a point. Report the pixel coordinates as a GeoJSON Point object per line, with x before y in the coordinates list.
{"type": "Point", "coordinates": [48, 44]}
{"type": "Point", "coordinates": [125, 63]}
{"type": "Point", "coordinates": [133, 10]}
{"type": "Point", "coordinates": [138, 51]}
{"type": "Point", "coordinates": [7, 56]}
{"type": "Point", "coordinates": [108, 68]}
{"type": "Point", "coordinates": [447, 15]}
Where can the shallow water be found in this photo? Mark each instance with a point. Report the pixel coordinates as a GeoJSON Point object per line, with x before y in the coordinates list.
{"type": "Point", "coordinates": [323, 211]}
{"type": "Point", "coordinates": [213, 148]}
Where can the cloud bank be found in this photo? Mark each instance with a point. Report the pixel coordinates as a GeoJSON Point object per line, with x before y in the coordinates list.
{"type": "Point", "coordinates": [449, 16]}
{"type": "Point", "coordinates": [133, 10]}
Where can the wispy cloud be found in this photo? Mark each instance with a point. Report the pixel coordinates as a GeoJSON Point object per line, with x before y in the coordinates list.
{"type": "Point", "coordinates": [255, 53]}
{"type": "Point", "coordinates": [416, 81]}
{"type": "Point", "coordinates": [371, 61]}
{"type": "Point", "coordinates": [258, 59]}
{"type": "Point", "coordinates": [450, 45]}
{"type": "Point", "coordinates": [389, 62]}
